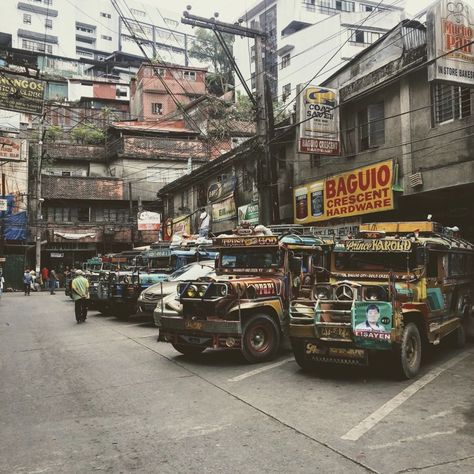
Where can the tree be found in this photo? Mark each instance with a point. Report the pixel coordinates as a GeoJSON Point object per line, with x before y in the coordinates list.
{"type": "Point", "coordinates": [205, 48]}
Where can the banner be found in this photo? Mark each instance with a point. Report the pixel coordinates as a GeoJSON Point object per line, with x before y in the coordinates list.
{"type": "Point", "coordinates": [319, 121]}
{"type": "Point", "coordinates": [181, 226]}
{"type": "Point", "coordinates": [224, 210]}
{"type": "Point", "coordinates": [450, 26]}
{"type": "Point", "coordinates": [149, 220]}
{"type": "Point", "coordinates": [219, 189]}
{"type": "Point", "coordinates": [249, 214]}
{"type": "Point", "coordinates": [362, 191]}
{"type": "Point", "coordinates": [21, 94]}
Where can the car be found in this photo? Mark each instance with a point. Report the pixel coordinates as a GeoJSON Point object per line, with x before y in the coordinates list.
{"type": "Point", "coordinates": [149, 298]}
{"type": "Point", "coordinates": [170, 305]}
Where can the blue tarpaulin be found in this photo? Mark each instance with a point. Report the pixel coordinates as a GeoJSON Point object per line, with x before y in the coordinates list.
{"type": "Point", "coordinates": [15, 226]}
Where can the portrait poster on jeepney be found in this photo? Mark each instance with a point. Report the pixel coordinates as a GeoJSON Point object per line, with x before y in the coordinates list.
{"type": "Point", "coordinates": [372, 323]}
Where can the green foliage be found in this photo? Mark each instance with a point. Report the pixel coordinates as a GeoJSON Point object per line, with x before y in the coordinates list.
{"type": "Point", "coordinates": [88, 135]}
{"type": "Point", "coordinates": [52, 133]}
{"type": "Point", "coordinates": [206, 48]}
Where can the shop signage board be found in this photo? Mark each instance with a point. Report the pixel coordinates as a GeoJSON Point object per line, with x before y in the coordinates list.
{"type": "Point", "coordinates": [3, 205]}
{"type": "Point", "coordinates": [149, 220]}
{"type": "Point", "coordinates": [182, 226]}
{"type": "Point", "coordinates": [219, 189]}
{"type": "Point", "coordinates": [248, 213]}
{"type": "Point", "coordinates": [361, 191]}
{"type": "Point", "coordinates": [10, 149]}
{"type": "Point", "coordinates": [450, 32]}
{"type": "Point", "coordinates": [21, 94]}
{"type": "Point", "coordinates": [319, 121]}
{"type": "Point", "coordinates": [57, 255]}
{"type": "Point", "coordinates": [224, 210]}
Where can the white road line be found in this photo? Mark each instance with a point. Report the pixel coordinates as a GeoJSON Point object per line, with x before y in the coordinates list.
{"type": "Point", "coordinates": [365, 425]}
{"type": "Point", "coordinates": [412, 438]}
{"type": "Point", "coordinates": [260, 370]}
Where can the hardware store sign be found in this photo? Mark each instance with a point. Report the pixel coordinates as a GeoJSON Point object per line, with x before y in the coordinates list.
{"type": "Point", "coordinates": [362, 191]}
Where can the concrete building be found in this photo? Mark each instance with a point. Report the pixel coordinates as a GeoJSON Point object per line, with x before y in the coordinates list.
{"type": "Point", "coordinates": [309, 36]}
{"type": "Point", "coordinates": [92, 29]}
{"type": "Point", "coordinates": [392, 115]}
{"type": "Point", "coordinates": [150, 97]}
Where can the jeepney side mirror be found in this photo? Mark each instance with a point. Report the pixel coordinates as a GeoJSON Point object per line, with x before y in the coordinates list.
{"type": "Point", "coordinates": [295, 265]}
{"type": "Point", "coordinates": [420, 257]}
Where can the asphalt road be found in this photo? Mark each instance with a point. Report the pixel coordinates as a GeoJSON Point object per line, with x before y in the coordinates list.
{"type": "Point", "coordinates": [105, 396]}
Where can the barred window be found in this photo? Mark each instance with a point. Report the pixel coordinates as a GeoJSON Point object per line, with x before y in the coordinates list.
{"type": "Point", "coordinates": [450, 103]}
{"type": "Point", "coordinates": [371, 126]}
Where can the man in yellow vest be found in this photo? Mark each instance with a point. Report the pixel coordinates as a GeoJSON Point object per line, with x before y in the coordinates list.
{"type": "Point", "coordinates": [80, 295]}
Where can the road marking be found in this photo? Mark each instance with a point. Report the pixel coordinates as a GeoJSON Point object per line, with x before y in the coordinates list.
{"type": "Point", "coordinates": [365, 425]}
{"type": "Point", "coordinates": [412, 438]}
{"type": "Point", "coordinates": [260, 370]}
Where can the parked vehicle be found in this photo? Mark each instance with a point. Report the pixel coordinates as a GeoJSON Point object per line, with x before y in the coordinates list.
{"type": "Point", "coordinates": [398, 287]}
{"type": "Point", "coordinates": [246, 306]}
{"type": "Point", "coordinates": [99, 292]}
{"type": "Point", "coordinates": [150, 298]}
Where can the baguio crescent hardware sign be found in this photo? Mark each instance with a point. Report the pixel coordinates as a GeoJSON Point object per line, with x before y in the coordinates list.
{"type": "Point", "coordinates": [450, 27]}
{"type": "Point", "coordinates": [319, 121]}
{"type": "Point", "coordinates": [21, 94]}
{"type": "Point", "coordinates": [362, 191]}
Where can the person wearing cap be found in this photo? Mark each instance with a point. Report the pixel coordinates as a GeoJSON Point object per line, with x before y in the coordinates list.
{"type": "Point", "coordinates": [80, 295]}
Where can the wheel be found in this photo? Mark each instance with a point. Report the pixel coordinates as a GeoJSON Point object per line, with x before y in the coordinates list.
{"type": "Point", "coordinates": [260, 339]}
{"type": "Point", "coordinates": [188, 351]}
{"type": "Point", "coordinates": [459, 337]}
{"type": "Point", "coordinates": [299, 348]}
{"type": "Point", "coordinates": [408, 354]}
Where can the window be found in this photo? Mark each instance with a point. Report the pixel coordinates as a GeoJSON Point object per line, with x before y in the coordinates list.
{"type": "Point", "coordinates": [48, 2]}
{"type": "Point", "coordinates": [111, 215]}
{"type": "Point", "coordinates": [349, 136]}
{"type": "Point", "coordinates": [85, 29]}
{"type": "Point", "coordinates": [37, 46]}
{"type": "Point", "coordinates": [371, 126]}
{"type": "Point", "coordinates": [314, 161]}
{"type": "Point", "coordinates": [65, 173]}
{"type": "Point", "coordinates": [60, 214]}
{"type": "Point", "coordinates": [157, 108]}
{"type": "Point", "coordinates": [160, 71]}
{"type": "Point", "coordinates": [121, 93]}
{"type": "Point", "coordinates": [363, 37]}
{"type": "Point", "coordinates": [344, 6]}
{"type": "Point", "coordinates": [26, 19]}
{"type": "Point", "coordinates": [285, 92]}
{"type": "Point", "coordinates": [107, 38]}
{"type": "Point", "coordinates": [189, 75]}
{"type": "Point", "coordinates": [48, 23]}
{"type": "Point", "coordinates": [253, 81]}
{"type": "Point", "coordinates": [83, 214]}
{"type": "Point", "coordinates": [285, 61]}
{"type": "Point", "coordinates": [450, 103]}
{"type": "Point", "coordinates": [105, 15]}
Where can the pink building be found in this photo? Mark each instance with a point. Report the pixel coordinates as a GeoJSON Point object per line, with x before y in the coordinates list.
{"type": "Point", "coordinates": [150, 99]}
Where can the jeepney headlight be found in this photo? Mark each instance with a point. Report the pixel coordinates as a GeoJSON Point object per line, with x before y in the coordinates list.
{"type": "Point", "coordinates": [192, 291]}
{"type": "Point", "coordinates": [202, 290]}
{"type": "Point", "coordinates": [222, 290]}
{"type": "Point", "coordinates": [322, 292]}
{"type": "Point", "coordinates": [375, 293]}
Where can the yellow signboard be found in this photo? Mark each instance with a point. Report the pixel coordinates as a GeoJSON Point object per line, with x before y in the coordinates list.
{"type": "Point", "coordinates": [361, 191]}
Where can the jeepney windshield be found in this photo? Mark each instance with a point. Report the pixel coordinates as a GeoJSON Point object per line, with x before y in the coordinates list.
{"type": "Point", "coordinates": [251, 258]}
{"type": "Point", "coordinates": [93, 267]}
{"type": "Point", "coordinates": [376, 261]}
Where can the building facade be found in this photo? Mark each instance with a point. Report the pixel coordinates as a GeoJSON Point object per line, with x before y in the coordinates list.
{"type": "Point", "coordinates": [311, 38]}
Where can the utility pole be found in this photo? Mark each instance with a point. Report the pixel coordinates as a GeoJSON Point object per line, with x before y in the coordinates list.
{"type": "Point", "coordinates": [39, 199]}
{"type": "Point", "coordinates": [268, 214]}
{"type": "Point", "coordinates": [2, 218]}
{"type": "Point", "coordinates": [130, 213]}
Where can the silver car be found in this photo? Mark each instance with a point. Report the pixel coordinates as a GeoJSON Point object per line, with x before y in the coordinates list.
{"type": "Point", "coordinates": [150, 297]}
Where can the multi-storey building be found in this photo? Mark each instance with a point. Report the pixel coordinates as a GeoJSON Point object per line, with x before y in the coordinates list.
{"type": "Point", "coordinates": [311, 38]}
{"type": "Point", "coordinates": [93, 29]}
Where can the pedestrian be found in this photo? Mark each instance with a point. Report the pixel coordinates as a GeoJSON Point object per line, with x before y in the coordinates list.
{"type": "Point", "coordinates": [80, 295]}
{"type": "Point", "coordinates": [27, 280]}
{"type": "Point", "coordinates": [204, 220]}
{"type": "Point", "coordinates": [53, 278]}
{"type": "Point", "coordinates": [45, 277]}
{"type": "Point", "coordinates": [2, 282]}
{"type": "Point", "coordinates": [35, 286]}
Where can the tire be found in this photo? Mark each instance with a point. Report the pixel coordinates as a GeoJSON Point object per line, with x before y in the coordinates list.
{"type": "Point", "coordinates": [260, 339]}
{"type": "Point", "coordinates": [408, 354]}
{"type": "Point", "coordinates": [188, 351]}
{"type": "Point", "coordinates": [299, 353]}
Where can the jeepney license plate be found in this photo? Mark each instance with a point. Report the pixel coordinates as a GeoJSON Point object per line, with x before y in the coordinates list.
{"type": "Point", "coordinates": [347, 353]}
{"type": "Point", "coordinates": [196, 325]}
{"type": "Point", "coordinates": [335, 333]}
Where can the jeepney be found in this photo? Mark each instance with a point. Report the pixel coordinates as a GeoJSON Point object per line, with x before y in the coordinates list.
{"type": "Point", "coordinates": [245, 307]}
{"type": "Point", "coordinates": [397, 287]}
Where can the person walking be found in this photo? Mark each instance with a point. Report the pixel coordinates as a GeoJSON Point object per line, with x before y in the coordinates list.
{"type": "Point", "coordinates": [2, 282]}
{"type": "Point", "coordinates": [80, 295]}
{"type": "Point", "coordinates": [45, 277]}
{"type": "Point", "coordinates": [27, 280]}
{"type": "Point", "coordinates": [53, 278]}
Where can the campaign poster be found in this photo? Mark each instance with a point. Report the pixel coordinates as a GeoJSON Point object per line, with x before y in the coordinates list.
{"type": "Point", "coordinates": [372, 323]}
